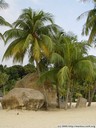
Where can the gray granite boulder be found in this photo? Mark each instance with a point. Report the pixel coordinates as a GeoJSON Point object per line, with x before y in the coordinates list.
{"type": "Point", "coordinates": [23, 98]}
{"type": "Point", "coordinates": [81, 102]}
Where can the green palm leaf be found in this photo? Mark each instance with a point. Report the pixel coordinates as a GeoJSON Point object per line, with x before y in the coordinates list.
{"type": "Point", "coordinates": [21, 24]}
{"type": "Point", "coordinates": [92, 34]}
{"type": "Point", "coordinates": [49, 75]}
{"type": "Point", "coordinates": [56, 58]}
{"type": "Point", "coordinates": [92, 58]}
{"type": "Point", "coordinates": [4, 22]}
{"type": "Point", "coordinates": [28, 41]}
{"type": "Point", "coordinates": [2, 37]}
{"type": "Point", "coordinates": [63, 75]}
{"type": "Point", "coordinates": [85, 70]}
{"type": "Point", "coordinates": [90, 24]}
{"type": "Point", "coordinates": [13, 33]}
{"type": "Point", "coordinates": [37, 23]}
{"type": "Point", "coordinates": [36, 51]}
{"type": "Point", "coordinates": [14, 48]}
{"type": "Point", "coordinates": [48, 42]}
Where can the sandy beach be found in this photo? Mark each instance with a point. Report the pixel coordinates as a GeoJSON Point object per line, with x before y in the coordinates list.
{"type": "Point", "coordinates": [48, 119]}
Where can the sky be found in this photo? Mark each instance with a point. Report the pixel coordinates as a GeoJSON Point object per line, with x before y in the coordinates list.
{"type": "Point", "coordinates": [65, 14]}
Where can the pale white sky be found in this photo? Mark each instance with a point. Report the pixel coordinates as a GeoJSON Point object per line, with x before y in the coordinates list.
{"type": "Point", "coordinates": [65, 13]}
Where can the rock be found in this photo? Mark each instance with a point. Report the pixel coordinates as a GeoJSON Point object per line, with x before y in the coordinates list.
{"type": "Point", "coordinates": [30, 81]}
{"type": "Point", "coordinates": [23, 98]}
{"type": "Point", "coordinates": [81, 102]}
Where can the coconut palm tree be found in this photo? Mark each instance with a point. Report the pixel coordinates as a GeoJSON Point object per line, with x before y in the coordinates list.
{"type": "Point", "coordinates": [68, 53]}
{"type": "Point", "coordinates": [92, 87]}
{"type": "Point", "coordinates": [29, 36]}
{"type": "Point", "coordinates": [3, 5]}
{"type": "Point", "coordinates": [89, 27]}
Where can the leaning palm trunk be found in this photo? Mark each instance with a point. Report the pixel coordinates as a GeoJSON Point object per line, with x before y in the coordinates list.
{"type": "Point", "coordinates": [92, 95]}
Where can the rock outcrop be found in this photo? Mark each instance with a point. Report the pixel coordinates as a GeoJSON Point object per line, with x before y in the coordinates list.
{"type": "Point", "coordinates": [31, 81]}
{"type": "Point", "coordinates": [23, 98]}
{"type": "Point", "coordinates": [81, 102]}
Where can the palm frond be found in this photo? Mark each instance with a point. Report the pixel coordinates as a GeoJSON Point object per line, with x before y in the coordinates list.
{"type": "Point", "coordinates": [26, 14]}
{"type": "Point", "coordinates": [4, 22]}
{"type": "Point", "coordinates": [49, 75]}
{"type": "Point", "coordinates": [19, 57]}
{"type": "Point", "coordinates": [92, 34]}
{"type": "Point", "coordinates": [38, 24]}
{"type": "Point", "coordinates": [21, 24]}
{"type": "Point", "coordinates": [13, 33]}
{"type": "Point", "coordinates": [31, 14]}
{"type": "Point", "coordinates": [89, 22]}
{"type": "Point", "coordinates": [2, 37]}
{"type": "Point", "coordinates": [63, 75]}
{"type": "Point", "coordinates": [14, 48]}
{"type": "Point", "coordinates": [56, 58]}
{"type": "Point", "coordinates": [36, 51]}
{"type": "Point", "coordinates": [45, 17]}
{"type": "Point", "coordinates": [84, 69]}
{"type": "Point", "coordinates": [92, 58]}
{"type": "Point", "coordinates": [44, 49]}
{"type": "Point", "coordinates": [88, 0]}
{"type": "Point", "coordinates": [83, 15]}
{"type": "Point", "coordinates": [48, 42]}
{"type": "Point", "coordinates": [28, 41]}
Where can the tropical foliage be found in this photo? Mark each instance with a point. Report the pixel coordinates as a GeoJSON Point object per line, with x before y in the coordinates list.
{"type": "Point", "coordinates": [29, 36]}
{"type": "Point", "coordinates": [70, 64]}
{"type": "Point", "coordinates": [3, 22]}
{"type": "Point", "coordinates": [89, 27]}
{"type": "Point", "coordinates": [56, 55]}
{"type": "Point", "coordinates": [9, 75]}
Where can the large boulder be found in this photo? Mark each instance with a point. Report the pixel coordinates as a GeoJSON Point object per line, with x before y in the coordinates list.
{"type": "Point", "coordinates": [81, 102]}
{"type": "Point", "coordinates": [23, 98]}
{"type": "Point", "coordinates": [31, 81]}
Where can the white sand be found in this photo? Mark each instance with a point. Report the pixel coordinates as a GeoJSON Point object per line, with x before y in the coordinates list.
{"type": "Point", "coordinates": [49, 119]}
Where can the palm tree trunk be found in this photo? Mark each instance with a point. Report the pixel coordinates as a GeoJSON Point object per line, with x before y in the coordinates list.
{"type": "Point", "coordinates": [44, 90]}
{"type": "Point", "coordinates": [70, 99]}
{"type": "Point", "coordinates": [46, 99]}
{"type": "Point", "coordinates": [58, 96]}
{"type": "Point", "coordinates": [92, 94]}
{"type": "Point", "coordinates": [85, 95]}
{"type": "Point", "coordinates": [71, 94]}
{"type": "Point", "coordinates": [67, 97]}
{"type": "Point", "coordinates": [38, 69]}
{"type": "Point", "coordinates": [89, 95]}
